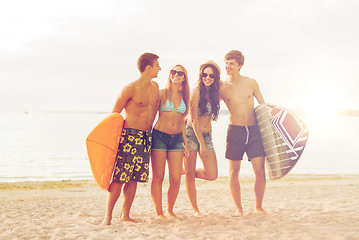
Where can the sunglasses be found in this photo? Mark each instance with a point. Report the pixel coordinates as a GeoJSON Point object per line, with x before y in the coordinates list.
{"type": "Point", "coordinates": [205, 75]}
{"type": "Point", "coordinates": [179, 73]}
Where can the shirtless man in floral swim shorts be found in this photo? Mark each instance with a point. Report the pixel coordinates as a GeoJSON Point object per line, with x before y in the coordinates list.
{"type": "Point", "coordinates": [140, 100]}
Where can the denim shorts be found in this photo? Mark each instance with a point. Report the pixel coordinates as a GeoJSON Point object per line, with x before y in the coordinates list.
{"type": "Point", "coordinates": [193, 144]}
{"type": "Point", "coordinates": [162, 141]}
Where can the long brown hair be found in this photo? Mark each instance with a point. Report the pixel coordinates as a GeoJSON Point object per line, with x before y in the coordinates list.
{"type": "Point", "coordinates": [184, 90]}
{"type": "Point", "coordinates": [213, 91]}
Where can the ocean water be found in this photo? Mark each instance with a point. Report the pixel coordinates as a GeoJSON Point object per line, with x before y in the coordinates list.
{"type": "Point", "coordinates": [51, 146]}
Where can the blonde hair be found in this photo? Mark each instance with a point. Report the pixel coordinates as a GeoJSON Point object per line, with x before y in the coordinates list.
{"type": "Point", "coordinates": [184, 90]}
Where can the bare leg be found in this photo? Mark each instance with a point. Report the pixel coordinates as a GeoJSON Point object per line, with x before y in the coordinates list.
{"type": "Point", "coordinates": [158, 161]}
{"type": "Point", "coordinates": [114, 193]}
{"type": "Point", "coordinates": [190, 166]}
{"type": "Point", "coordinates": [260, 183]}
{"type": "Point", "coordinates": [234, 186]}
{"type": "Point", "coordinates": [175, 168]}
{"type": "Point", "coordinates": [210, 169]}
{"type": "Point", "coordinates": [129, 192]}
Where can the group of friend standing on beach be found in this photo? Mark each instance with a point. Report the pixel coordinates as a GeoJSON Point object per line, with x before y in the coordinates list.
{"type": "Point", "coordinates": [183, 131]}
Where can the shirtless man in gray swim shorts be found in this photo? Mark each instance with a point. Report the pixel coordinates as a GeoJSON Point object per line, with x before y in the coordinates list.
{"type": "Point", "coordinates": [238, 93]}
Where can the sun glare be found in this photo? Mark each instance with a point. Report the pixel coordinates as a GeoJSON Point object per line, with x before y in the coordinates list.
{"type": "Point", "coordinates": [323, 103]}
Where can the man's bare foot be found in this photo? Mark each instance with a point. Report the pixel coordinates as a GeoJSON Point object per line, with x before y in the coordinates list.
{"type": "Point", "coordinates": [197, 214]}
{"type": "Point", "coordinates": [161, 216]}
{"type": "Point", "coordinates": [128, 219]}
{"type": "Point", "coordinates": [239, 212]}
{"type": "Point", "coordinates": [171, 214]}
{"type": "Point", "coordinates": [106, 221]}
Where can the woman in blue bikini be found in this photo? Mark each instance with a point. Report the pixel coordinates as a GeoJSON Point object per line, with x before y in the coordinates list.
{"type": "Point", "coordinates": [169, 141]}
{"type": "Point", "coordinates": [204, 109]}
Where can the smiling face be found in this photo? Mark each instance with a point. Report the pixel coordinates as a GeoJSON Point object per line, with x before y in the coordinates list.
{"type": "Point", "coordinates": [232, 66]}
{"type": "Point", "coordinates": [175, 75]}
{"type": "Point", "coordinates": [155, 69]}
{"type": "Point", "coordinates": [208, 76]}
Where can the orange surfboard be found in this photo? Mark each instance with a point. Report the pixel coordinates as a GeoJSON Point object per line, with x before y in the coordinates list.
{"type": "Point", "coordinates": [102, 144]}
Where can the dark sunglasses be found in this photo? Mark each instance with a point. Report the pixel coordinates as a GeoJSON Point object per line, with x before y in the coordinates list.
{"type": "Point", "coordinates": [205, 75]}
{"type": "Point", "coordinates": [179, 73]}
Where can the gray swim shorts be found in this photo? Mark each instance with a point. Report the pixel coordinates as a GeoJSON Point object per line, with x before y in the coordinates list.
{"type": "Point", "coordinates": [243, 139]}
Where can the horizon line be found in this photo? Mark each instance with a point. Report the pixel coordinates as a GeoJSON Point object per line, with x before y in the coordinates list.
{"type": "Point", "coordinates": [342, 112]}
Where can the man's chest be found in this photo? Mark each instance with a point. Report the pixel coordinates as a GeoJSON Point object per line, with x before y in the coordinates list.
{"type": "Point", "coordinates": [145, 97]}
{"type": "Point", "coordinates": [237, 93]}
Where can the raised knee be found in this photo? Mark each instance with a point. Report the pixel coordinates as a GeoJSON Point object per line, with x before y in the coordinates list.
{"type": "Point", "coordinates": [212, 177]}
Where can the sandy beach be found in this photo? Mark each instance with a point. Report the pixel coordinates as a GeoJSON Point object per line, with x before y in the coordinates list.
{"type": "Point", "coordinates": [298, 207]}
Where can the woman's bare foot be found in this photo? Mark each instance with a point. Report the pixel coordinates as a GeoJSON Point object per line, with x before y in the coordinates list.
{"type": "Point", "coordinates": [128, 219]}
{"type": "Point", "coordinates": [239, 212]}
{"type": "Point", "coordinates": [171, 214]}
{"type": "Point", "coordinates": [106, 221]}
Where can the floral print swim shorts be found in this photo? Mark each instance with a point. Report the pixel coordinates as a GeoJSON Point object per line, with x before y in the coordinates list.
{"type": "Point", "coordinates": [133, 156]}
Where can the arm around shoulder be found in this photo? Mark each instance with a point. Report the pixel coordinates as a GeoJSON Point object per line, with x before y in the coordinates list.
{"type": "Point", "coordinates": [194, 100]}
{"type": "Point", "coordinates": [159, 95]}
{"type": "Point", "coordinates": [156, 85]}
{"type": "Point", "coordinates": [221, 90]}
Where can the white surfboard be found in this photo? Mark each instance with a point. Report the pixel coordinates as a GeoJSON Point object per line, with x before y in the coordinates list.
{"type": "Point", "coordinates": [284, 138]}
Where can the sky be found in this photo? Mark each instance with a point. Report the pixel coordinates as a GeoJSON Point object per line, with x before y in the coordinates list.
{"type": "Point", "coordinates": [76, 55]}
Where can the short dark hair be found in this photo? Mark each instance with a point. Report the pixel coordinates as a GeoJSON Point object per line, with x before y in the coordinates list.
{"type": "Point", "coordinates": [235, 54]}
{"type": "Point", "coordinates": [146, 59]}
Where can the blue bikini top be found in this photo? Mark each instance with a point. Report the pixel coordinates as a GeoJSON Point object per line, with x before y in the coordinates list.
{"type": "Point", "coordinates": [168, 107]}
